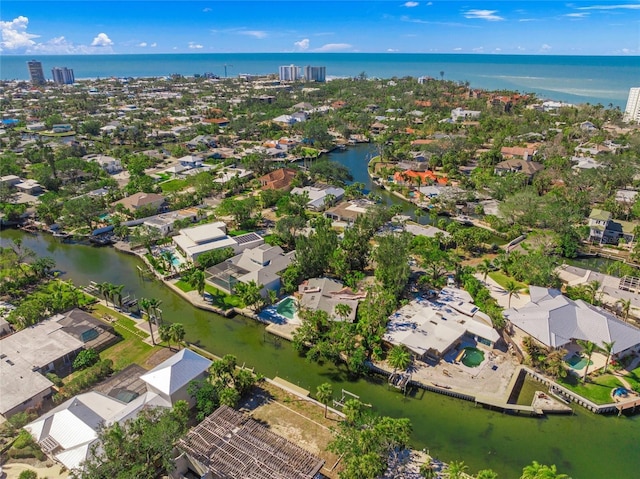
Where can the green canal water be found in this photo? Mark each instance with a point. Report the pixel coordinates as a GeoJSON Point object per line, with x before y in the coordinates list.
{"type": "Point", "coordinates": [584, 445]}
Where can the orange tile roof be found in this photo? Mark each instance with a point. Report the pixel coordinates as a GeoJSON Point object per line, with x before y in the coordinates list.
{"type": "Point", "coordinates": [400, 176]}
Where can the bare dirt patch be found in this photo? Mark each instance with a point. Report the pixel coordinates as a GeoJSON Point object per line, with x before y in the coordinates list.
{"type": "Point", "coordinates": [300, 421]}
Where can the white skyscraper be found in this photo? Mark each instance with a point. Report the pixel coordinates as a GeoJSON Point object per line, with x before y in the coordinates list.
{"type": "Point", "coordinates": [317, 74]}
{"type": "Point", "coordinates": [289, 73]}
{"type": "Point", "coordinates": [632, 111]}
{"type": "Point", "coordinates": [62, 75]}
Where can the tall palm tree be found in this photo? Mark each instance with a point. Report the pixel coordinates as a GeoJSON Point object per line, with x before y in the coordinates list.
{"type": "Point", "coordinates": [485, 268]}
{"type": "Point", "coordinates": [105, 289]}
{"type": "Point", "coordinates": [588, 348]}
{"type": "Point", "coordinates": [342, 310]}
{"type": "Point", "coordinates": [625, 306]}
{"type": "Point", "coordinates": [535, 470]}
{"type": "Point", "coordinates": [147, 307]}
{"type": "Point", "coordinates": [196, 280]}
{"type": "Point", "coordinates": [165, 335]}
{"type": "Point", "coordinates": [512, 289]}
{"type": "Point", "coordinates": [116, 294]}
{"type": "Point", "coordinates": [592, 289]}
{"type": "Point", "coordinates": [324, 393]}
{"type": "Point", "coordinates": [607, 347]}
{"type": "Point", "coordinates": [177, 333]}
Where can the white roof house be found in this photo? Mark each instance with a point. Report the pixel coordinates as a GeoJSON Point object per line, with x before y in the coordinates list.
{"type": "Point", "coordinates": [67, 432]}
{"type": "Point", "coordinates": [170, 378]}
{"type": "Point", "coordinates": [317, 195]}
{"type": "Point", "coordinates": [555, 321]}
{"type": "Point", "coordinates": [200, 239]}
{"type": "Point", "coordinates": [431, 328]}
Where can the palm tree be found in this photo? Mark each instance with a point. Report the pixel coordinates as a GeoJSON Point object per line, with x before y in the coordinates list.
{"type": "Point", "coordinates": [105, 289]}
{"type": "Point", "coordinates": [165, 335]}
{"type": "Point", "coordinates": [342, 310]}
{"type": "Point", "coordinates": [177, 333]}
{"type": "Point", "coordinates": [399, 358]}
{"type": "Point", "coordinates": [324, 393]}
{"type": "Point", "coordinates": [456, 469]}
{"type": "Point", "coordinates": [607, 347]}
{"type": "Point", "coordinates": [116, 294]}
{"type": "Point", "coordinates": [147, 307]}
{"type": "Point", "coordinates": [588, 348]}
{"type": "Point", "coordinates": [512, 289]}
{"type": "Point", "coordinates": [22, 254]}
{"type": "Point", "coordinates": [535, 470]}
{"type": "Point", "coordinates": [485, 268]}
{"type": "Point", "coordinates": [196, 280]}
{"type": "Point", "coordinates": [625, 306]}
{"type": "Point", "coordinates": [592, 289]}
{"type": "Point", "coordinates": [487, 474]}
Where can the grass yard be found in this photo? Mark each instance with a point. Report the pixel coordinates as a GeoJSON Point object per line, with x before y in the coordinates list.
{"type": "Point", "coordinates": [633, 378]}
{"type": "Point", "coordinates": [219, 298]}
{"type": "Point", "coordinates": [598, 391]}
{"type": "Point", "coordinates": [172, 186]}
{"type": "Point", "coordinates": [502, 279]}
{"type": "Point", "coordinates": [132, 349]}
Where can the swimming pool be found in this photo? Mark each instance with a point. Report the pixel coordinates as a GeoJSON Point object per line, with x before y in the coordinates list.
{"type": "Point", "coordinates": [287, 307]}
{"type": "Point", "coordinates": [472, 358]}
{"type": "Point", "coordinates": [578, 362]}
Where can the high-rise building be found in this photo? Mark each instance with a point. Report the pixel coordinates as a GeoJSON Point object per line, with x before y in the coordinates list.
{"type": "Point", "coordinates": [63, 75]}
{"type": "Point", "coordinates": [317, 74]}
{"type": "Point", "coordinates": [632, 111]}
{"type": "Point", "coordinates": [35, 72]}
{"type": "Point", "coordinates": [289, 73]}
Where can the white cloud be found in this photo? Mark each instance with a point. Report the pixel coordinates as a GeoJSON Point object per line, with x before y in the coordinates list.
{"type": "Point", "coordinates": [488, 15]}
{"type": "Point", "coordinates": [577, 15]}
{"type": "Point", "coordinates": [392, 50]}
{"type": "Point", "coordinates": [254, 33]}
{"type": "Point", "coordinates": [142, 44]}
{"type": "Point", "coordinates": [195, 46]}
{"type": "Point", "coordinates": [102, 40]}
{"type": "Point", "coordinates": [207, 9]}
{"type": "Point", "coordinates": [153, 45]}
{"type": "Point", "coordinates": [457, 49]}
{"type": "Point", "coordinates": [478, 49]}
{"type": "Point", "coordinates": [545, 47]}
{"type": "Point", "coordinates": [302, 44]}
{"type": "Point", "coordinates": [15, 35]}
{"type": "Point", "coordinates": [334, 47]}
{"type": "Point", "coordinates": [411, 4]}
{"type": "Point", "coordinates": [633, 6]}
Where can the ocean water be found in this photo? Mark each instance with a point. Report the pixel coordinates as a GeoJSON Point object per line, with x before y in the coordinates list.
{"type": "Point", "coordinates": [575, 79]}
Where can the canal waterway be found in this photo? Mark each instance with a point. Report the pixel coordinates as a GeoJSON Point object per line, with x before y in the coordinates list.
{"type": "Point", "coordinates": [585, 445]}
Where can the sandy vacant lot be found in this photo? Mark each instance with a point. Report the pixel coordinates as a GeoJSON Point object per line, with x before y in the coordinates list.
{"type": "Point", "coordinates": [13, 470]}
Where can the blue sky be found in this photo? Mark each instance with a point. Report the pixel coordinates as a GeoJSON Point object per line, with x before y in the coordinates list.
{"type": "Point", "coordinates": [598, 27]}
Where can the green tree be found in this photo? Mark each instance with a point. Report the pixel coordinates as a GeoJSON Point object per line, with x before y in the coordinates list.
{"type": "Point", "coordinates": [392, 262]}
{"type": "Point", "coordinates": [324, 393]}
{"type": "Point", "coordinates": [165, 334]}
{"type": "Point", "coordinates": [85, 359]}
{"type": "Point", "coordinates": [456, 470]}
{"type": "Point", "coordinates": [485, 268]}
{"type": "Point", "coordinates": [28, 474]}
{"type": "Point", "coordinates": [249, 294]}
{"type": "Point", "coordinates": [512, 289]}
{"type": "Point", "coordinates": [607, 348]}
{"type": "Point", "coordinates": [399, 358]}
{"type": "Point", "coordinates": [535, 470]}
{"type": "Point", "coordinates": [487, 474]}
{"type": "Point", "coordinates": [625, 306]}
{"type": "Point", "coordinates": [588, 348]}
{"type": "Point", "coordinates": [177, 333]}
{"type": "Point", "coordinates": [196, 280]}
{"type": "Point", "coordinates": [140, 448]}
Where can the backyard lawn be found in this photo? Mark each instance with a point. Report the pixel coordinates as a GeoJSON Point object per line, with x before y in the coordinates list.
{"type": "Point", "coordinates": [598, 391]}
{"type": "Point", "coordinates": [502, 279]}
{"type": "Point", "coordinates": [131, 349]}
{"type": "Point", "coordinates": [218, 298]}
{"type": "Point", "coordinates": [172, 186]}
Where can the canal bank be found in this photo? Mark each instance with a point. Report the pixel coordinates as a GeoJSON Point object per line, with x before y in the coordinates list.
{"type": "Point", "coordinates": [451, 429]}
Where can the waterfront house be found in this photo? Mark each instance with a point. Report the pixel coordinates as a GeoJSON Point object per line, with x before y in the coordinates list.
{"type": "Point", "coordinates": [605, 230]}
{"type": "Point", "coordinates": [325, 294]}
{"type": "Point", "coordinates": [348, 211]}
{"type": "Point", "coordinates": [430, 329]}
{"type": "Point", "coordinates": [140, 200]}
{"type": "Point", "coordinates": [170, 379]}
{"type": "Point", "coordinates": [47, 347]}
{"type": "Point", "coordinates": [278, 180]}
{"type": "Point", "coordinates": [229, 444]}
{"type": "Point", "coordinates": [194, 241]}
{"type": "Point", "coordinates": [319, 194]}
{"type": "Point", "coordinates": [262, 264]}
{"type": "Point", "coordinates": [556, 321]}
{"type": "Point", "coordinates": [164, 222]}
